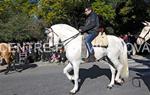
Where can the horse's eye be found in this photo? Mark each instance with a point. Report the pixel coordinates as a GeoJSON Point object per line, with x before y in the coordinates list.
{"type": "Point", "coordinates": [145, 29]}
{"type": "Point", "coordinates": [46, 32]}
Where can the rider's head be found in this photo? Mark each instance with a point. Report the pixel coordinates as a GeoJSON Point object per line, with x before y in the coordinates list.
{"type": "Point", "coordinates": [88, 10]}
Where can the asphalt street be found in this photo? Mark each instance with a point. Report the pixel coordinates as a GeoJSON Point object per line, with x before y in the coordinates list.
{"type": "Point", "coordinates": [43, 78]}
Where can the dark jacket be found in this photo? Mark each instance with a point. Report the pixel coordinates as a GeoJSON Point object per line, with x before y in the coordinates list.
{"type": "Point", "coordinates": [91, 24]}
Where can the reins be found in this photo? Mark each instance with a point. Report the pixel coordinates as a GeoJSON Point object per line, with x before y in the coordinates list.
{"type": "Point", "coordinates": [70, 38]}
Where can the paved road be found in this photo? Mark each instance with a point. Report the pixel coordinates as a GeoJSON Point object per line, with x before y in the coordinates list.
{"type": "Point", "coordinates": [48, 79]}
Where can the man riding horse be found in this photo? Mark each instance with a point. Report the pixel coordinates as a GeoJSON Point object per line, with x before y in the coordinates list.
{"type": "Point", "coordinates": [91, 26]}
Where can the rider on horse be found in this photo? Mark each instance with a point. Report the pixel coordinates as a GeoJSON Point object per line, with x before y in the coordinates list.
{"type": "Point", "coordinates": [91, 26]}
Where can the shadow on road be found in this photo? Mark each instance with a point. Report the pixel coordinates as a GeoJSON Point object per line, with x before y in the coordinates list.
{"type": "Point", "coordinates": [143, 73]}
{"type": "Point", "coordinates": [92, 73]}
{"type": "Point", "coordinates": [20, 67]}
{"type": "Point", "coordinates": [27, 66]}
{"type": "Point", "coordinates": [143, 62]}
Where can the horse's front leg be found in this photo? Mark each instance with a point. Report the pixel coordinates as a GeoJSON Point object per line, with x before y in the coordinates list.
{"type": "Point", "coordinates": [76, 77]}
{"type": "Point", "coordinates": [66, 71]}
{"type": "Point", "coordinates": [8, 69]}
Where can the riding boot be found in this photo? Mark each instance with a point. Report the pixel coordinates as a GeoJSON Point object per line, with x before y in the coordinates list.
{"type": "Point", "coordinates": [91, 58]}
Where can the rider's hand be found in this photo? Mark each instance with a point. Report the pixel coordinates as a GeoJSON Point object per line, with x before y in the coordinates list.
{"type": "Point", "coordinates": [80, 30]}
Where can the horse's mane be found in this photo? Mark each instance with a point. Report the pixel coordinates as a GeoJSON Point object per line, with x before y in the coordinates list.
{"type": "Point", "coordinates": [65, 28]}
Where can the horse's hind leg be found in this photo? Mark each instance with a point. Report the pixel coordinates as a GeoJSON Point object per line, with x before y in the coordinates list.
{"type": "Point", "coordinates": [118, 66]}
{"type": "Point", "coordinates": [113, 71]}
{"type": "Point", "coordinates": [66, 71]}
{"type": "Point", "coordinates": [4, 61]}
{"type": "Point", "coordinates": [7, 60]}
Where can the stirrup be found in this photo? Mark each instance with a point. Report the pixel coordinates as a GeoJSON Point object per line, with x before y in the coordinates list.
{"type": "Point", "coordinates": [87, 60]}
{"type": "Point", "coordinates": [91, 60]}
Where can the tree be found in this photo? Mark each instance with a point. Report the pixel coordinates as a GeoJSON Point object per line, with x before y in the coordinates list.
{"type": "Point", "coordinates": [17, 23]}
{"type": "Point", "coordinates": [130, 14]}
{"type": "Point", "coordinates": [27, 18]}
{"type": "Point", "coordinates": [106, 11]}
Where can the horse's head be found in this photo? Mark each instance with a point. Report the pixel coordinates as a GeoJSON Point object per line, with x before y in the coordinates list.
{"type": "Point", "coordinates": [52, 37]}
{"type": "Point", "coordinates": [145, 34]}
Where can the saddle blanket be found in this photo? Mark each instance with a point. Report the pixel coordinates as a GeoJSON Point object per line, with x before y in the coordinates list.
{"type": "Point", "coordinates": [101, 40]}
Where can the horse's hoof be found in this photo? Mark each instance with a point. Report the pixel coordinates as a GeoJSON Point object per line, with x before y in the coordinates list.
{"type": "Point", "coordinates": [19, 71]}
{"type": "Point", "coordinates": [120, 83]}
{"type": "Point", "coordinates": [109, 87]}
{"type": "Point", "coordinates": [6, 73]}
{"type": "Point", "coordinates": [71, 93]}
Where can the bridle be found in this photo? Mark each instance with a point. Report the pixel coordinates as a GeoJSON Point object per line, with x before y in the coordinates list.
{"type": "Point", "coordinates": [53, 33]}
{"type": "Point", "coordinates": [64, 42]}
{"type": "Point", "coordinates": [143, 38]}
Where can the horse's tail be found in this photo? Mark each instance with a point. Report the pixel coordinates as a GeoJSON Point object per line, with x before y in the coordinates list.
{"type": "Point", "coordinates": [124, 61]}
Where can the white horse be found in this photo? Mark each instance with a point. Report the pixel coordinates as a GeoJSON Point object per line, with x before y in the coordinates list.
{"type": "Point", "coordinates": [145, 34]}
{"type": "Point", "coordinates": [116, 52]}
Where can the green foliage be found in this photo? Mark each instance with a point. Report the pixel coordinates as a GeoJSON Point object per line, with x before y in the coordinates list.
{"type": "Point", "coordinates": [130, 14]}
{"type": "Point", "coordinates": [51, 11]}
{"type": "Point", "coordinates": [20, 28]}
{"type": "Point", "coordinates": [21, 20]}
{"type": "Point", "coordinates": [106, 11]}
{"type": "Point", "coordinates": [100, 7]}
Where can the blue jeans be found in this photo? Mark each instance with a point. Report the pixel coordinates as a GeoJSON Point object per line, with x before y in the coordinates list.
{"type": "Point", "coordinates": [88, 42]}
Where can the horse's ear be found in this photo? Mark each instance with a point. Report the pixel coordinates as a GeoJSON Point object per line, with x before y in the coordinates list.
{"type": "Point", "coordinates": [46, 28]}
{"type": "Point", "coordinates": [148, 23]}
{"type": "Point", "coordinates": [46, 31]}
{"type": "Point", "coordinates": [145, 23]}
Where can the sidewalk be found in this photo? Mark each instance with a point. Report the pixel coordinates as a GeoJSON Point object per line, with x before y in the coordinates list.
{"type": "Point", "coordinates": [135, 61]}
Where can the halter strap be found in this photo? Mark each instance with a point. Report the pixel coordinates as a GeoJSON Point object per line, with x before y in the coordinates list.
{"type": "Point", "coordinates": [52, 35]}
{"type": "Point", "coordinates": [141, 38]}
{"type": "Point", "coordinates": [52, 31]}
{"type": "Point", "coordinates": [70, 38]}
{"type": "Point", "coordinates": [145, 35]}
